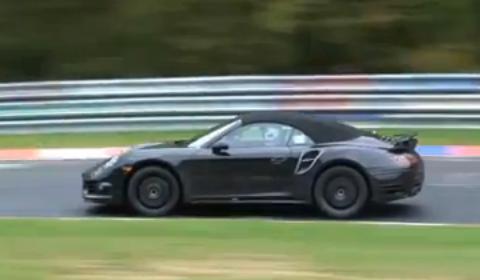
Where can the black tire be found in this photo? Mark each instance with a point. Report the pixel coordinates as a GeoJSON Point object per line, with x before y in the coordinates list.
{"type": "Point", "coordinates": [153, 192]}
{"type": "Point", "coordinates": [341, 192]}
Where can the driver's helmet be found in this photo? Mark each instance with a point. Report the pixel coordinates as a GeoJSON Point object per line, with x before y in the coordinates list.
{"type": "Point", "coordinates": [271, 134]}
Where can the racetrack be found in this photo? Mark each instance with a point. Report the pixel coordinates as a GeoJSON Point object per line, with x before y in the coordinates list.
{"type": "Point", "coordinates": [53, 189]}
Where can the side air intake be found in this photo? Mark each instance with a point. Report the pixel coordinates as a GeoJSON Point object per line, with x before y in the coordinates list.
{"type": "Point", "coordinates": [307, 161]}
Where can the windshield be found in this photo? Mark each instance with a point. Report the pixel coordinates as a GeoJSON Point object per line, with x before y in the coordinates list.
{"type": "Point", "coordinates": [200, 140]}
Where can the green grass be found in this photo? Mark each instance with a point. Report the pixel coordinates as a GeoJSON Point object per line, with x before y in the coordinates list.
{"type": "Point", "coordinates": [427, 137]}
{"type": "Point", "coordinates": [240, 249]}
{"type": "Point", "coordinates": [89, 139]}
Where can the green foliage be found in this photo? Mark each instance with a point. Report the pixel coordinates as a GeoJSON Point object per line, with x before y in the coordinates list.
{"type": "Point", "coordinates": [77, 39]}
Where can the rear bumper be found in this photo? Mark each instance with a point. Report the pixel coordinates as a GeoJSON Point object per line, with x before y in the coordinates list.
{"type": "Point", "coordinates": [390, 185]}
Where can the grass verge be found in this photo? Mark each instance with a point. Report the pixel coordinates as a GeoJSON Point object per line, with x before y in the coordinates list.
{"type": "Point", "coordinates": [241, 249]}
{"type": "Point", "coordinates": [79, 140]}
{"type": "Point", "coordinates": [427, 137]}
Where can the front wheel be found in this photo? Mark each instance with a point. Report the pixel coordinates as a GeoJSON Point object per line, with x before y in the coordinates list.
{"type": "Point", "coordinates": [153, 192]}
{"type": "Point", "coordinates": [341, 192]}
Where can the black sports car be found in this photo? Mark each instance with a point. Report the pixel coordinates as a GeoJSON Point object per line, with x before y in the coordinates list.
{"type": "Point", "coordinates": [263, 158]}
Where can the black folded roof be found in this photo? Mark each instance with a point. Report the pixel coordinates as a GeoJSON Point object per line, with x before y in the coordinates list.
{"type": "Point", "coordinates": [319, 130]}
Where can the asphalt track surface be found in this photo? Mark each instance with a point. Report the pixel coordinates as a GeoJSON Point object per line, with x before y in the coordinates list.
{"type": "Point", "coordinates": [53, 189]}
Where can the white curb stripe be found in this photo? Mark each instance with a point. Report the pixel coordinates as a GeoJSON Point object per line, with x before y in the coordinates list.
{"type": "Point", "coordinates": [78, 154]}
{"type": "Point", "coordinates": [159, 220]}
{"type": "Point", "coordinates": [13, 166]}
{"type": "Point", "coordinates": [66, 154]}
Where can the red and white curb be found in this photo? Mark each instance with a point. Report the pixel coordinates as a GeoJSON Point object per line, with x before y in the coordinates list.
{"type": "Point", "coordinates": [59, 154]}
{"type": "Point", "coordinates": [102, 153]}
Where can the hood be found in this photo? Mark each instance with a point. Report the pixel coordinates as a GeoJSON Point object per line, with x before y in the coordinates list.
{"type": "Point", "coordinates": [158, 149]}
{"type": "Point", "coordinates": [161, 145]}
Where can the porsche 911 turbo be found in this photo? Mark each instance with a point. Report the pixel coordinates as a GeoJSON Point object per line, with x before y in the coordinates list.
{"type": "Point", "coordinates": [274, 157]}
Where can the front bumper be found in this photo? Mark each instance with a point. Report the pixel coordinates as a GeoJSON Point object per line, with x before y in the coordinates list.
{"type": "Point", "coordinates": [99, 192]}
{"type": "Point", "coordinates": [390, 185]}
{"type": "Point", "coordinates": [108, 188]}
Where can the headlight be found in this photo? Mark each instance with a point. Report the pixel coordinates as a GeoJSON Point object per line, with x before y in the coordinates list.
{"type": "Point", "coordinates": [111, 162]}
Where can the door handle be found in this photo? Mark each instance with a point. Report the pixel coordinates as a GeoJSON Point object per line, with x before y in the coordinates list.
{"type": "Point", "coordinates": [278, 160]}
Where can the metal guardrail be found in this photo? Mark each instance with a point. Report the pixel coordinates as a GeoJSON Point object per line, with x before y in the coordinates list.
{"type": "Point", "coordinates": [373, 101]}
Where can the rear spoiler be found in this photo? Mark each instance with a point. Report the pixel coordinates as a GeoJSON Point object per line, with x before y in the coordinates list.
{"type": "Point", "coordinates": [402, 142]}
{"type": "Point", "coordinates": [406, 142]}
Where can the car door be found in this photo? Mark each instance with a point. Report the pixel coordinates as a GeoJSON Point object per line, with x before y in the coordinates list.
{"type": "Point", "coordinates": [257, 165]}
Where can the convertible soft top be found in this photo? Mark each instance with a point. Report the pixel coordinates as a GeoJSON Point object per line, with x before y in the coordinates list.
{"type": "Point", "coordinates": [320, 131]}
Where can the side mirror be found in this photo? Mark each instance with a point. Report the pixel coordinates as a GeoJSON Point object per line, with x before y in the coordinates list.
{"type": "Point", "coordinates": [220, 149]}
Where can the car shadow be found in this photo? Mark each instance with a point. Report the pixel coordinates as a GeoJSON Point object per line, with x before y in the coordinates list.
{"type": "Point", "coordinates": [381, 212]}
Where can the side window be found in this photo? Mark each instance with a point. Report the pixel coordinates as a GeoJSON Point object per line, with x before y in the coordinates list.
{"type": "Point", "coordinates": [299, 139]}
{"type": "Point", "coordinates": [259, 135]}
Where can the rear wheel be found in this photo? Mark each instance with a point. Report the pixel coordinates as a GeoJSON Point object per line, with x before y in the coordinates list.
{"type": "Point", "coordinates": [341, 192]}
{"type": "Point", "coordinates": [153, 192]}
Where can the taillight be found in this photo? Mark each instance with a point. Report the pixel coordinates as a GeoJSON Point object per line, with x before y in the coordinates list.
{"type": "Point", "coordinates": [405, 160]}
{"type": "Point", "coordinates": [412, 158]}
